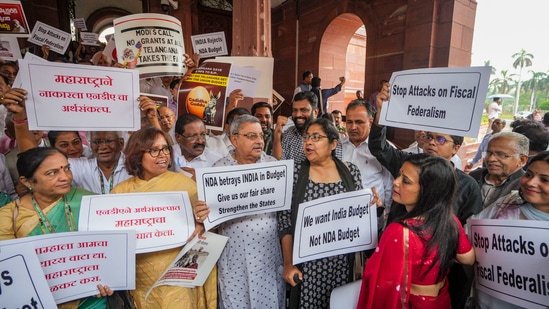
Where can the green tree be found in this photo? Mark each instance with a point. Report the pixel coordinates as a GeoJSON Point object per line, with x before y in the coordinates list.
{"type": "Point", "coordinates": [533, 84]}
{"type": "Point", "coordinates": [522, 60]}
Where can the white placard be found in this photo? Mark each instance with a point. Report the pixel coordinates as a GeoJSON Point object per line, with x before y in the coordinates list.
{"type": "Point", "coordinates": [512, 258]}
{"type": "Point", "coordinates": [151, 43]}
{"type": "Point", "coordinates": [265, 65]}
{"type": "Point", "coordinates": [64, 97]}
{"type": "Point", "coordinates": [74, 263]}
{"type": "Point", "coordinates": [210, 44]}
{"type": "Point", "coordinates": [80, 23]}
{"type": "Point", "coordinates": [444, 100]}
{"type": "Point", "coordinates": [57, 40]}
{"type": "Point", "coordinates": [9, 48]}
{"type": "Point", "coordinates": [338, 224]}
{"type": "Point", "coordinates": [89, 38]}
{"type": "Point", "coordinates": [22, 282]}
{"type": "Point", "coordinates": [29, 57]}
{"type": "Point", "coordinates": [163, 220]}
{"type": "Point", "coordinates": [241, 190]}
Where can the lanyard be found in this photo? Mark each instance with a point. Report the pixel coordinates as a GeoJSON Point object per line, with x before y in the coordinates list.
{"type": "Point", "coordinates": [111, 180]}
{"type": "Point", "coordinates": [45, 223]}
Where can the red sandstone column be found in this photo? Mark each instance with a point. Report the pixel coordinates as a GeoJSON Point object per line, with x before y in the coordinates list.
{"type": "Point", "coordinates": [251, 28]}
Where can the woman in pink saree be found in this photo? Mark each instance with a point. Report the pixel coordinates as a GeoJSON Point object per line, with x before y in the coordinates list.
{"type": "Point", "coordinates": [410, 265]}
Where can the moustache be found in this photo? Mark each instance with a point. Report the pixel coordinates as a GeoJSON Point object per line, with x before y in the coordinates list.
{"type": "Point", "coordinates": [199, 145]}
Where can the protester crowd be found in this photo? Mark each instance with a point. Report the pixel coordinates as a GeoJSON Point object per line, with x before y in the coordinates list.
{"type": "Point", "coordinates": [422, 199]}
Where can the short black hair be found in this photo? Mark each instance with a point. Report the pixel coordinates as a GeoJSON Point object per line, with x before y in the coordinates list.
{"type": "Point", "coordinates": [239, 111]}
{"type": "Point", "coordinates": [184, 120]}
{"type": "Point", "coordinates": [361, 102]}
{"type": "Point", "coordinates": [306, 74]}
{"type": "Point", "coordinates": [261, 104]}
{"type": "Point", "coordinates": [174, 83]}
{"type": "Point", "coordinates": [309, 96]}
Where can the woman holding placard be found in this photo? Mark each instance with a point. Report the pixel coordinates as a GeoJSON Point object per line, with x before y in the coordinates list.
{"type": "Point", "coordinates": [409, 267]}
{"type": "Point", "coordinates": [52, 206]}
{"type": "Point", "coordinates": [148, 157]}
{"type": "Point", "coordinates": [531, 202]}
{"type": "Point", "coordinates": [321, 175]}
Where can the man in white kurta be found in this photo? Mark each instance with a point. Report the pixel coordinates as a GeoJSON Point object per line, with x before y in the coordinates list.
{"type": "Point", "coordinates": [250, 267]}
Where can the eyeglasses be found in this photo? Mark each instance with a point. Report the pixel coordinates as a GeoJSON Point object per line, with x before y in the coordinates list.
{"type": "Point", "coordinates": [155, 152]}
{"type": "Point", "coordinates": [497, 154]}
{"type": "Point", "coordinates": [194, 138]}
{"type": "Point", "coordinates": [314, 137]}
{"type": "Point", "coordinates": [251, 136]}
{"type": "Point", "coordinates": [439, 140]}
{"type": "Point", "coordinates": [107, 142]}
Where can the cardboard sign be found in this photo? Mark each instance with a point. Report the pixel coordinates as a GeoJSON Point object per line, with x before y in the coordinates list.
{"type": "Point", "coordinates": [56, 39]}
{"type": "Point", "coordinates": [12, 19]}
{"type": "Point", "coordinates": [443, 100]}
{"type": "Point", "coordinates": [512, 260]}
{"type": "Point", "coordinates": [22, 282]}
{"type": "Point", "coordinates": [210, 44]}
{"type": "Point", "coordinates": [162, 220]}
{"type": "Point", "coordinates": [73, 263]}
{"type": "Point", "coordinates": [151, 43]}
{"type": "Point", "coordinates": [241, 190]}
{"type": "Point", "coordinates": [338, 224]}
{"type": "Point", "coordinates": [64, 97]}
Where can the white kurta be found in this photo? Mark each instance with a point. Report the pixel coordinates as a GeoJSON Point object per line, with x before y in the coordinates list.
{"type": "Point", "coordinates": [250, 267]}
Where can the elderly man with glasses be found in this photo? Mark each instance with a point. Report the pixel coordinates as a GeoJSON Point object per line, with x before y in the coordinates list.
{"type": "Point", "coordinates": [504, 157]}
{"type": "Point", "coordinates": [190, 134]}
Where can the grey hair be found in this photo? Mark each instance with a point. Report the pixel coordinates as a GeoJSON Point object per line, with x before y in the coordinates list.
{"type": "Point", "coordinates": [522, 143]}
{"type": "Point", "coordinates": [240, 120]}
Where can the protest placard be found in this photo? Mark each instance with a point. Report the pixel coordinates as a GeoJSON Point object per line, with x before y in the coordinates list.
{"type": "Point", "coordinates": [151, 43]}
{"type": "Point", "coordinates": [511, 260]}
{"type": "Point", "coordinates": [194, 263]}
{"type": "Point", "coordinates": [62, 96]}
{"type": "Point", "coordinates": [163, 220]}
{"type": "Point", "coordinates": [241, 190]}
{"type": "Point", "coordinates": [12, 19]}
{"type": "Point", "coordinates": [265, 65]}
{"type": "Point", "coordinates": [444, 100]}
{"type": "Point", "coordinates": [9, 48]}
{"type": "Point", "coordinates": [338, 224]}
{"type": "Point", "coordinates": [73, 263]}
{"type": "Point", "coordinates": [89, 38]}
{"type": "Point", "coordinates": [80, 23]}
{"type": "Point", "coordinates": [207, 90]}
{"type": "Point", "coordinates": [22, 282]}
{"type": "Point", "coordinates": [57, 40]}
{"type": "Point", "coordinates": [210, 44]}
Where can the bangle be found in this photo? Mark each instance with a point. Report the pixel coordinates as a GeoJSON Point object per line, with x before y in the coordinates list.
{"type": "Point", "coordinates": [22, 121]}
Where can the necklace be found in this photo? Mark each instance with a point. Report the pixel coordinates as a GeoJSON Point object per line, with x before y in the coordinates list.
{"type": "Point", "coordinates": [45, 224]}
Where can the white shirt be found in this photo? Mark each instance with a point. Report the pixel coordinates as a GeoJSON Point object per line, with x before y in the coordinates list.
{"type": "Point", "coordinates": [372, 172]}
{"type": "Point", "coordinates": [494, 109]}
{"type": "Point", "coordinates": [206, 159]}
{"type": "Point", "coordinates": [220, 144]}
{"type": "Point", "coordinates": [86, 175]}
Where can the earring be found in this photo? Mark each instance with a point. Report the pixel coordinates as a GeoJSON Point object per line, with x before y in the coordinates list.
{"type": "Point", "coordinates": [30, 188]}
